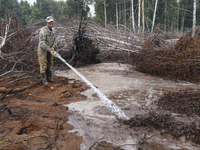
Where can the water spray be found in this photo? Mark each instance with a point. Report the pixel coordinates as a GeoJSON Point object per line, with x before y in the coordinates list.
{"type": "Point", "coordinates": [114, 108]}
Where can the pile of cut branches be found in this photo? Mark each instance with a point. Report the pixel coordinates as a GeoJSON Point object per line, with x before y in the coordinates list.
{"type": "Point", "coordinates": [182, 102]}
{"type": "Point", "coordinates": [181, 62]}
{"type": "Point", "coordinates": [18, 53]}
{"type": "Point", "coordinates": [166, 124]}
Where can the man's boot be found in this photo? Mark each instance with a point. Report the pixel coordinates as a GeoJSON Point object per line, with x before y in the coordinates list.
{"type": "Point", "coordinates": [49, 76]}
{"type": "Point", "coordinates": [44, 79]}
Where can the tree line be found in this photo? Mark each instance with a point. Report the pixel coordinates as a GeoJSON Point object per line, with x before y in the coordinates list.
{"type": "Point", "coordinates": [136, 15]}
{"type": "Point", "coordinates": [171, 15]}
{"type": "Point", "coordinates": [60, 10]}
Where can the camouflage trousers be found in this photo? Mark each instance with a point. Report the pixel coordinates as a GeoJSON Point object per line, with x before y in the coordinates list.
{"type": "Point", "coordinates": [46, 64]}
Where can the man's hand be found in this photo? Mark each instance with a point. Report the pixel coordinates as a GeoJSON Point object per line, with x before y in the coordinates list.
{"type": "Point", "coordinates": [52, 51]}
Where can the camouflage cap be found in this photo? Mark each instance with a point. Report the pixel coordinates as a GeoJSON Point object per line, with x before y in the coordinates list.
{"type": "Point", "coordinates": [49, 19]}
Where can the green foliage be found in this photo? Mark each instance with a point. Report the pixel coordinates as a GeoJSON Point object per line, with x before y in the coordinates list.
{"type": "Point", "coordinates": [60, 10]}
{"type": "Point", "coordinates": [169, 15]}
{"type": "Point", "coordinates": [99, 9]}
{"type": "Point", "coordinates": [76, 8]}
{"type": "Point", "coordinates": [8, 5]}
{"type": "Point", "coordinates": [25, 12]}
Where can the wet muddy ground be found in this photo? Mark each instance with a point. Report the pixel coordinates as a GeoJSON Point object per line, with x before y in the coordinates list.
{"type": "Point", "coordinates": [36, 118]}
{"type": "Point", "coordinates": [68, 115]}
{"type": "Point", "coordinates": [136, 94]}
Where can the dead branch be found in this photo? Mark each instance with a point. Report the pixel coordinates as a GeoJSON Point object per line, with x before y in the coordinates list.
{"type": "Point", "coordinates": [96, 143]}
{"type": "Point", "coordinates": [52, 140]}
{"type": "Point", "coordinates": [20, 89]}
{"type": "Point", "coordinates": [9, 71]}
{"type": "Point", "coordinates": [143, 140]}
{"type": "Point", "coordinates": [18, 79]}
{"type": "Point", "coordinates": [6, 94]}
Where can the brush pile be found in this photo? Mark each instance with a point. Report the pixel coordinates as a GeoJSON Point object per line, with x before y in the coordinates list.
{"type": "Point", "coordinates": [18, 55]}
{"type": "Point", "coordinates": [182, 102]}
{"type": "Point", "coordinates": [166, 124]}
{"type": "Point", "coordinates": [180, 62]}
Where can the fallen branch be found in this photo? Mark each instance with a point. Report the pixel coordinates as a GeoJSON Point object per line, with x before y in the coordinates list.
{"type": "Point", "coordinates": [53, 139]}
{"type": "Point", "coordinates": [19, 89]}
{"type": "Point", "coordinates": [95, 143]}
{"type": "Point", "coordinates": [9, 70]}
{"type": "Point", "coordinates": [139, 143]}
{"type": "Point", "coordinates": [6, 94]}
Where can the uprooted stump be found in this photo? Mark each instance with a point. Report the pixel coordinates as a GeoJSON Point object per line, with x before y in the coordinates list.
{"type": "Point", "coordinates": [83, 50]}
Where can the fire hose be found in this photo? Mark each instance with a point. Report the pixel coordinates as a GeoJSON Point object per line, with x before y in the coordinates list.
{"type": "Point", "coordinates": [115, 109]}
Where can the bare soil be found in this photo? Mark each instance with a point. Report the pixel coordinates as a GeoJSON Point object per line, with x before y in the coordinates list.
{"type": "Point", "coordinates": [36, 117]}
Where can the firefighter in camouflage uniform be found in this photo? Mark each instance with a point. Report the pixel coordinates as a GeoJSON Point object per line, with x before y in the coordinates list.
{"type": "Point", "coordinates": [47, 43]}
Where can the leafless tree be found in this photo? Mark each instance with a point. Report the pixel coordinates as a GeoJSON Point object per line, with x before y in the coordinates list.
{"type": "Point", "coordinates": [105, 13]}
{"type": "Point", "coordinates": [117, 19]}
{"type": "Point", "coordinates": [143, 16]}
{"type": "Point", "coordinates": [154, 16]}
{"type": "Point", "coordinates": [194, 17]}
{"type": "Point", "coordinates": [5, 25]}
{"type": "Point", "coordinates": [133, 18]}
{"type": "Point", "coordinates": [139, 12]}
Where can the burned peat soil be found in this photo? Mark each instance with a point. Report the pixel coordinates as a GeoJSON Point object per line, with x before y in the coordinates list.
{"type": "Point", "coordinates": [36, 118]}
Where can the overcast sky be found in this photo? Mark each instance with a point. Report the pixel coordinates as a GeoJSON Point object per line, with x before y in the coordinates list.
{"type": "Point", "coordinates": [29, 1]}
{"type": "Point", "coordinates": [32, 1]}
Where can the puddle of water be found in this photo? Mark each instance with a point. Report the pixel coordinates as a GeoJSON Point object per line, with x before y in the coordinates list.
{"type": "Point", "coordinates": [114, 108]}
{"type": "Point", "coordinates": [96, 123]}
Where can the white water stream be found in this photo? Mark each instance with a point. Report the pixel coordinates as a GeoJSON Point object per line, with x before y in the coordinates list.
{"type": "Point", "coordinates": [107, 102]}
{"type": "Point", "coordinates": [132, 92]}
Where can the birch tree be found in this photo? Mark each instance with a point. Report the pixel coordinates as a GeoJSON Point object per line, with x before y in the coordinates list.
{"type": "Point", "coordinates": [105, 13]}
{"type": "Point", "coordinates": [133, 18]}
{"type": "Point", "coordinates": [125, 13]}
{"type": "Point", "coordinates": [183, 18]}
{"type": "Point", "coordinates": [143, 16]}
{"type": "Point", "coordinates": [178, 15]}
{"type": "Point", "coordinates": [3, 37]}
{"type": "Point", "coordinates": [154, 16]}
{"type": "Point", "coordinates": [194, 18]}
{"type": "Point", "coordinates": [165, 16]}
{"type": "Point", "coordinates": [117, 19]}
{"type": "Point", "coordinates": [139, 2]}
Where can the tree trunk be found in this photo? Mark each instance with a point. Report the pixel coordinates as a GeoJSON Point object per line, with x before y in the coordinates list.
{"type": "Point", "coordinates": [125, 13]}
{"type": "Point", "coordinates": [139, 2]}
{"type": "Point", "coordinates": [165, 16]}
{"type": "Point", "coordinates": [133, 18]}
{"type": "Point", "coordinates": [120, 13]}
{"type": "Point", "coordinates": [154, 16]}
{"type": "Point", "coordinates": [194, 18]}
{"type": "Point", "coordinates": [178, 15]}
{"type": "Point", "coordinates": [105, 13]}
{"type": "Point", "coordinates": [143, 16]}
{"type": "Point", "coordinates": [5, 35]}
{"type": "Point", "coordinates": [183, 19]}
{"type": "Point", "coordinates": [117, 19]}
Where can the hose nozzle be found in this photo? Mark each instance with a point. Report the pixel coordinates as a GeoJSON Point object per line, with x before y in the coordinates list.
{"type": "Point", "coordinates": [55, 54]}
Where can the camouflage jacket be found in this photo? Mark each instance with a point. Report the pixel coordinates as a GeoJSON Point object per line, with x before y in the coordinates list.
{"type": "Point", "coordinates": [47, 40]}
